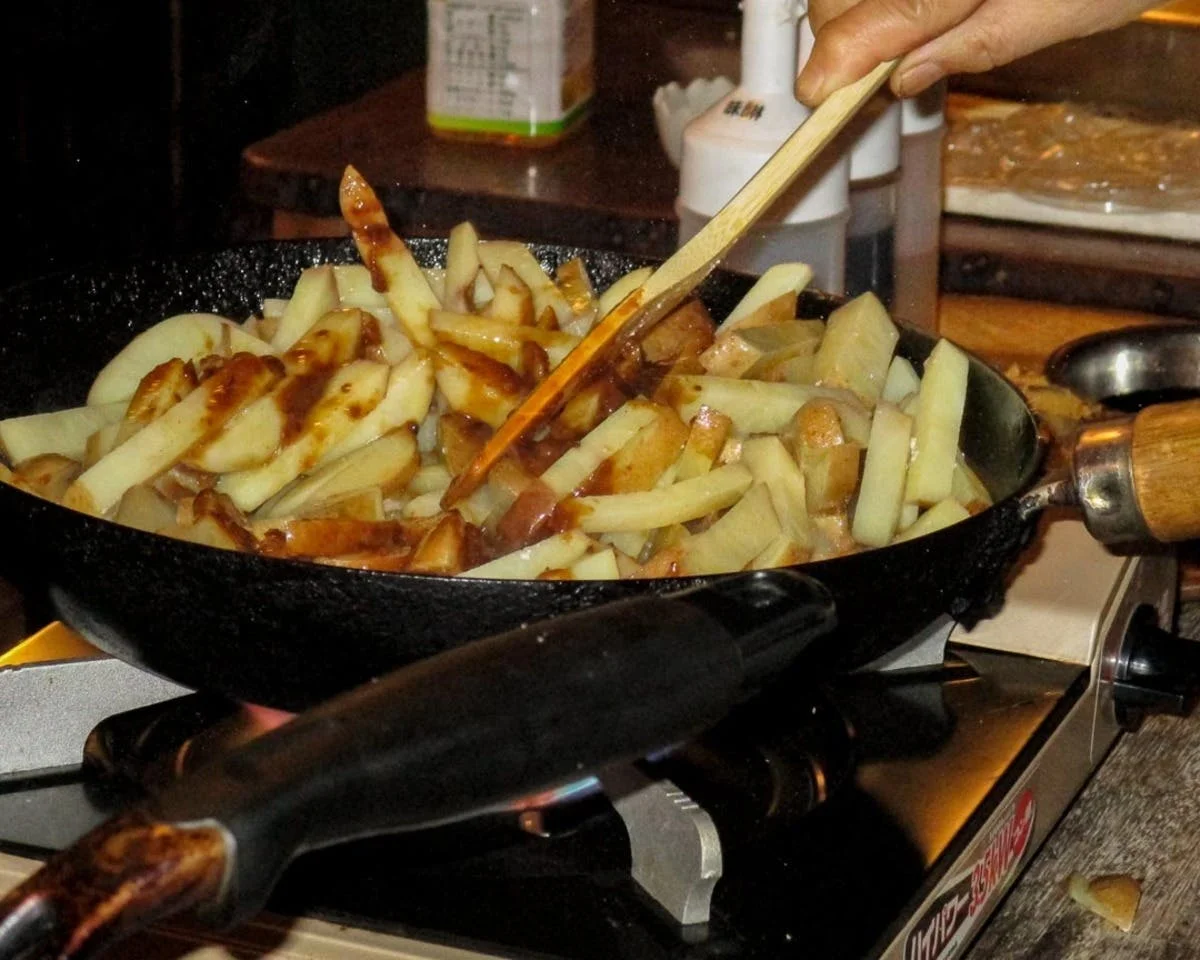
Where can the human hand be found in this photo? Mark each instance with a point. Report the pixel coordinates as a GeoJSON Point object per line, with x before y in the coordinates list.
{"type": "Point", "coordinates": [935, 38]}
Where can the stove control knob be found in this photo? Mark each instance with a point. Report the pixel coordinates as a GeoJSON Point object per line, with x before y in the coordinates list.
{"type": "Point", "coordinates": [1158, 672]}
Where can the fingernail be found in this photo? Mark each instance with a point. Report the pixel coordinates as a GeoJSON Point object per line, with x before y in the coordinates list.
{"type": "Point", "coordinates": [912, 80]}
{"type": "Point", "coordinates": [809, 85]}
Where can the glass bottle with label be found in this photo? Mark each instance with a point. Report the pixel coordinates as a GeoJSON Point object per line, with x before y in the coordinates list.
{"type": "Point", "coordinates": [509, 71]}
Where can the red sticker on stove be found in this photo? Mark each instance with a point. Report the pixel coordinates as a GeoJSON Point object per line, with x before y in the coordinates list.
{"type": "Point", "coordinates": [947, 923]}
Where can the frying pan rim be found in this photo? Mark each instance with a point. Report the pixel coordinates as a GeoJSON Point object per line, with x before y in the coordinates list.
{"type": "Point", "coordinates": [1019, 497]}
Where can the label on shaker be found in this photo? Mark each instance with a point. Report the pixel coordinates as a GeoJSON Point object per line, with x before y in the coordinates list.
{"type": "Point", "coordinates": [510, 68]}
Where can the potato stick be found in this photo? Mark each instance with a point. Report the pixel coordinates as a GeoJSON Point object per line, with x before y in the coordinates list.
{"type": "Point", "coordinates": [940, 406]}
{"type": "Point", "coordinates": [188, 336]}
{"type": "Point", "coordinates": [409, 394]}
{"type": "Point", "coordinates": [678, 503]}
{"type": "Point", "coordinates": [495, 254]}
{"type": "Point", "coordinates": [901, 382]}
{"type": "Point", "coordinates": [355, 289]}
{"type": "Point", "coordinates": [772, 465]}
{"type": "Point", "coordinates": [462, 266]}
{"type": "Point", "coordinates": [160, 444]}
{"type": "Point", "coordinates": [351, 394]}
{"type": "Point", "coordinates": [857, 349]}
{"type": "Point", "coordinates": [881, 491]}
{"type": "Point", "coordinates": [780, 279]}
{"type": "Point", "coordinates": [578, 463]}
{"type": "Point", "coordinates": [498, 339]}
{"type": "Point", "coordinates": [385, 464]}
{"type": "Point", "coordinates": [938, 516]}
{"type": "Point", "coordinates": [734, 541]}
{"type": "Point", "coordinates": [315, 295]}
{"type": "Point", "coordinates": [597, 566]}
{"type": "Point", "coordinates": [63, 431]}
{"type": "Point", "coordinates": [754, 406]}
{"type": "Point", "coordinates": [391, 263]}
{"type": "Point", "coordinates": [553, 553]}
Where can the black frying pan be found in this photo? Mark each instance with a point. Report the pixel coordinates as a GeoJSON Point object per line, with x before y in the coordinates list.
{"type": "Point", "coordinates": [290, 634]}
{"type": "Point", "coordinates": [636, 667]}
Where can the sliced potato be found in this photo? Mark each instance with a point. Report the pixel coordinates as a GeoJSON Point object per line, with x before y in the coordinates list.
{"type": "Point", "coordinates": [622, 288]}
{"type": "Point", "coordinates": [857, 350]}
{"type": "Point", "coordinates": [201, 413]}
{"type": "Point", "coordinates": [830, 478]}
{"type": "Point", "coordinates": [315, 294]}
{"type": "Point", "coordinates": [462, 266]}
{"type": "Point", "coordinates": [406, 290]}
{"type": "Point", "coordinates": [773, 466]}
{"type": "Point", "coordinates": [940, 515]}
{"type": "Point", "coordinates": [48, 474]}
{"type": "Point", "coordinates": [680, 337]}
{"type": "Point", "coordinates": [161, 389]}
{"type": "Point", "coordinates": [902, 381]}
{"type": "Point", "coordinates": [709, 429]}
{"type": "Point", "coordinates": [512, 300]}
{"type": "Point", "coordinates": [475, 384]}
{"type": "Point", "coordinates": [601, 565]}
{"type": "Point", "coordinates": [752, 405]}
{"type": "Point", "coordinates": [783, 551]}
{"type": "Point", "coordinates": [409, 394]}
{"type": "Point", "coordinates": [779, 280]}
{"type": "Point", "coordinates": [146, 509]}
{"type": "Point", "coordinates": [188, 336]}
{"type": "Point", "coordinates": [529, 563]}
{"type": "Point", "coordinates": [968, 489]}
{"type": "Point", "coordinates": [940, 406]}
{"type": "Point", "coordinates": [365, 504]}
{"type": "Point", "coordinates": [678, 503]}
{"type": "Point", "coordinates": [499, 339]}
{"type": "Point", "coordinates": [578, 463]}
{"type": "Point", "coordinates": [642, 462]}
{"type": "Point", "coordinates": [63, 431]}
{"type": "Point", "coordinates": [494, 255]}
{"type": "Point", "coordinates": [573, 280]}
{"type": "Point", "coordinates": [352, 392]}
{"type": "Point", "coordinates": [386, 464]}
{"type": "Point", "coordinates": [735, 353]}
{"type": "Point", "coordinates": [443, 550]}
{"type": "Point", "coordinates": [101, 443]}
{"type": "Point", "coordinates": [881, 493]}
{"type": "Point", "coordinates": [732, 543]}
{"type": "Point", "coordinates": [355, 288]}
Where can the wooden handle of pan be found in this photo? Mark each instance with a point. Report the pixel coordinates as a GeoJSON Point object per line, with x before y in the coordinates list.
{"type": "Point", "coordinates": [1166, 469]}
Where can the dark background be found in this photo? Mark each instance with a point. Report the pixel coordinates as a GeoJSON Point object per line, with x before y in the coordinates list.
{"type": "Point", "coordinates": [124, 119]}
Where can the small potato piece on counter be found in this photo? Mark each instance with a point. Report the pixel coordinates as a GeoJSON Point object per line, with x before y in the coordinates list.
{"type": "Point", "coordinates": [939, 415]}
{"type": "Point", "coordinates": [1114, 897]}
{"type": "Point", "coordinates": [857, 349]}
{"type": "Point", "coordinates": [881, 494]}
{"type": "Point", "coordinates": [778, 281]}
{"type": "Point", "coordinates": [64, 432]}
{"type": "Point", "coordinates": [243, 379]}
{"type": "Point", "coordinates": [188, 336]}
{"type": "Point", "coordinates": [937, 517]}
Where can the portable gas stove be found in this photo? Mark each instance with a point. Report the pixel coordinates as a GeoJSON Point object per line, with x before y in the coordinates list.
{"type": "Point", "coordinates": [882, 817]}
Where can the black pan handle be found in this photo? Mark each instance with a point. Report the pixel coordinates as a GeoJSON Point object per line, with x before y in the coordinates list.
{"type": "Point", "coordinates": [480, 725]}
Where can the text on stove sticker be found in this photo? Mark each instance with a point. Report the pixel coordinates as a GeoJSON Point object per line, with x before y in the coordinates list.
{"type": "Point", "coordinates": [949, 920]}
